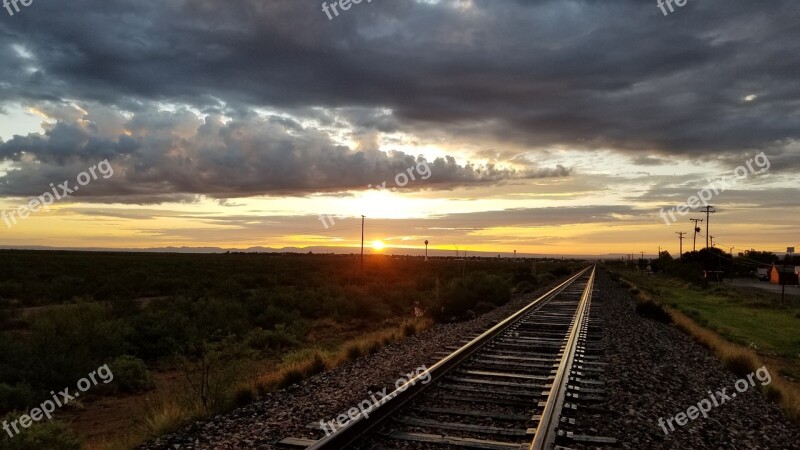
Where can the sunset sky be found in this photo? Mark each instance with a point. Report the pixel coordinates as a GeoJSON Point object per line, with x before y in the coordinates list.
{"type": "Point", "coordinates": [547, 126]}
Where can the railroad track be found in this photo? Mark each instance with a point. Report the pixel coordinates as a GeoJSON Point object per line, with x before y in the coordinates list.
{"type": "Point", "coordinates": [513, 387]}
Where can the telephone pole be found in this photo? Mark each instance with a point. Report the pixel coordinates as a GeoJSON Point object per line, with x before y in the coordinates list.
{"type": "Point", "coordinates": [362, 243]}
{"type": "Point", "coordinates": [708, 210]}
{"type": "Point", "coordinates": [680, 237]}
{"type": "Point", "coordinates": [696, 230]}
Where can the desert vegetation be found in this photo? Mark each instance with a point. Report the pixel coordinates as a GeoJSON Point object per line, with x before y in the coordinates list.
{"type": "Point", "coordinates": [229, 326]}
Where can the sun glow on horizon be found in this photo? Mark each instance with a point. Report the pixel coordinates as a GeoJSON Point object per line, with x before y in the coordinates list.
{"type": "Point", "coordinates": [378, 245]}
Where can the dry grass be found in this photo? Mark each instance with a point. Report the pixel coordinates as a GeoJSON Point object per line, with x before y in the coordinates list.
{"type": "Point", "coordinates": [301, 365]}
{"type": "Point", "coordinates": [163, 416]}
{"type": "Point", "coordinates": [742, 361]}
{"type": "Point", "coordinates": [119, 443]}
{"type": "Point", "coordinates": [739, 360]}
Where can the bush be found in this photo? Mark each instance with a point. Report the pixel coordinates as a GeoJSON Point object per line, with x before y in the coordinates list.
{"type": "Point", "coordinates": [299, 371]}
{"type": "Point", "coordinates": [483, 307]}
{"type": "Point", "coordinates": [740, 363]}
{"type": "Point", "coordinates": [525, 287]}
{"type": "Point", "coordinates": [561, 271]}
{"type": "Point", "coordinates": [50, 435]}
{"type": "Point", "coordinates": [461, 295]}
{"type": "Point", "coordinates": [653, 311]}
{"type": "Point", "coordinates": [130, 374]}
{"type": "Point", "coordinates": [66, 343]}
{"type": "Point", "coordinates": [277, 339]}
{"type": "Point", "coordinates": [19, 397]}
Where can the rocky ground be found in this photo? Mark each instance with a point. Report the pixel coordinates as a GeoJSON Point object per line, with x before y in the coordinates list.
{"type": "Point", "coordinates": [287, 413]}
{"type": "Point", "coordinates": [655, 371]}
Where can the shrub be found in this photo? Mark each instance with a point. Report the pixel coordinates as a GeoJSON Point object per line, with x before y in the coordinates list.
{"type": "Point", "coordinates": [51, 435]}
{"type": "Point", "coordinates": [298, 372]}
{"type": "Point", "coordinates": [653, 311]}
{"type": "Point", "coordinates": [483, 307]}
{"type": "Point", "coordinates": [353, 351]}
{"type": "Point", "coordinates": [162, 416]}
{"type": "Point", "coordinates": [463, 294]}
{"type": "Point", "coordinates": [18, 397]}
{"type": "Point", "coordinates": [130, 374]}
{"type": "Point", "coordinates": [561, 271]}
{"type": "Point", "coordinates": [740, 363]}
{"type": "Point", "coordinates": [243, 396]}
{"type": "Point", "coordinates": [409, 329]}
{"type": "Point", "coordinates": [279, 338]}
{"type": "Point", "coordinates": [525, 287]}
{"type": "Point", "coordinates": [66, 342]}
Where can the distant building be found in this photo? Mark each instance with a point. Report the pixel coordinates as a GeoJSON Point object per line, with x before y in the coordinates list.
{"type": "Point", "coordinates": [779, 274]}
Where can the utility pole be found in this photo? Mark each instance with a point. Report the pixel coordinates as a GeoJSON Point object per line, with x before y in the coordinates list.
{"type": "Point", "coordinates": [362, 243]}
{"type": "Point", "coordinates": [708, 211]}
{"type": "Point", "coordinates": [696, 230]}
{"type": "Point", "coordinates": [789, 251]}
{"type": "Point", "coordinates": [680, 237]}
{"type": "Point", "coordinates": [641, 263]}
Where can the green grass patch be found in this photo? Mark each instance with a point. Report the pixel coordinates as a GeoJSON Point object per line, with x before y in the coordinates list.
{"type": "Point", "coordinates": [742, 315]}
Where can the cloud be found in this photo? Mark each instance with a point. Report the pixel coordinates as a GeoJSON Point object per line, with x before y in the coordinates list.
{"type": "Point", "coordinates": [584, 73]}
{"type": "Point", "coordinates": [163, 155]}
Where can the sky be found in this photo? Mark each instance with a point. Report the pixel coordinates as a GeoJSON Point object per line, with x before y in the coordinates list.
{"type": "Point", "coordinates": [565, 126]}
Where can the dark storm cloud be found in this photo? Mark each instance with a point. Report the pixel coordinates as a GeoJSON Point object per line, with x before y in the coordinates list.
{"type": "Point", "coordinates": [162, 156]}
{"type": "Point", "coordinates": [584, 74]}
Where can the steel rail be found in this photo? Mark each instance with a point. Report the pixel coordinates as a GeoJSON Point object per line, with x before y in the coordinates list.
{"type": "Point", "coordinates": [546, 431]}
{"type": "Point", "coordinates": [360, 426]}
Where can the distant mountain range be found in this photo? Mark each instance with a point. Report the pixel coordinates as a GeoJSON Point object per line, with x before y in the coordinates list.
{"type": "Point", "coordinates": [315, 249]}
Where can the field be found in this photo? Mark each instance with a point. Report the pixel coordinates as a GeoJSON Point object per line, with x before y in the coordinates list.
{"type": "Point", "coordinates": [735, 321]}
{"type": "Point", "coordinates": [743, 315]}
{"type": "Point", "coordinates": [188, 336]}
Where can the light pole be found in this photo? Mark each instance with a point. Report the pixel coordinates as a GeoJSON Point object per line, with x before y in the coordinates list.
{"type": "Point", "coordinates": [426, 249]}
{"type": "Point", "coordinates": [362, 243]}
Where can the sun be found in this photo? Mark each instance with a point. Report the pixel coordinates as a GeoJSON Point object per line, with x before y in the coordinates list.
{"type": "Point", "coordinates": [378, 245]}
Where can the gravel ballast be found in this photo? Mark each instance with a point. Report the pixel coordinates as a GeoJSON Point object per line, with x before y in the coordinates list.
{"type": "Point", "coordinates": [654, 371]}
{"type": "Point", "coordinates": [286, 413]}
